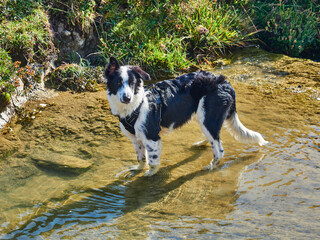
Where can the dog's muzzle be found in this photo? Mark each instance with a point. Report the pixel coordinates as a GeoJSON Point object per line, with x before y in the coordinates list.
{"type": "Point", "coordinates": [125, 99]}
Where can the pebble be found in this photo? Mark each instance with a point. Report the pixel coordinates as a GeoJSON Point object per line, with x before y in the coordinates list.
{"type": "Point", "coordinates": [94, 144]}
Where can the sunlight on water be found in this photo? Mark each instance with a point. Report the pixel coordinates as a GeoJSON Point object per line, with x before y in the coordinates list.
{"type": "Point", "coordinates": [257, 192]}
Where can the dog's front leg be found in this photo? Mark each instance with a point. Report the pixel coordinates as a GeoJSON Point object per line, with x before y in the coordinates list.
{"type": "Point", "coordinates": [154, 152]}
{"type": "Point", "coordinates": [138, 147]}
{"type": "Point", "coordinates": [141, 153]}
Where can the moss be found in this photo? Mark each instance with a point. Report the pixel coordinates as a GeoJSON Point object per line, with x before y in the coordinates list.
{"type": "Point", "coordinates": [75, 77]}
{"type": "Point", "coordinates": [28, 39]}
{"type": "Point", "coordinates": [6, 82]}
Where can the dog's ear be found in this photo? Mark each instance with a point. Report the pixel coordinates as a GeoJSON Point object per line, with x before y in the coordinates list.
{"type": "Point", "coordinates": [111, 67]}
{"type": "Point", "coordinates": [142, 74]}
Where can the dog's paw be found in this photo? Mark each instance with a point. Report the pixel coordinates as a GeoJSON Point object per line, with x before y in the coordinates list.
{"type": "Point", "coordinates": [202, 143]}
{"type": "Point", "coordinates": [213, 165]}
{"type": "Point", "coordinates": [137, 167]}
{"type": "Point", "coordinates": [125, 174]}
{"type": "Point", "coordinates": [152, 171]}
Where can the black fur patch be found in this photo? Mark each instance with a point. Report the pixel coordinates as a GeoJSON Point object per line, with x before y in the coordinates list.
{"type": "Point", "coordinates": [129, 121]}
{"type": "Point", "coordinates": [180, 99]}
{"type": "Point", "coordinates": [114, 80]}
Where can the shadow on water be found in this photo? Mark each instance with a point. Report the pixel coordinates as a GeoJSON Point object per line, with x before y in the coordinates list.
{"type": "Point", "coordinates": [117, 199]}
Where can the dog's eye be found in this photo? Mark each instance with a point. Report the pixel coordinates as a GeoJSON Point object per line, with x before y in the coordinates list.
{"type": "Point", "coordinates": [119, 83]}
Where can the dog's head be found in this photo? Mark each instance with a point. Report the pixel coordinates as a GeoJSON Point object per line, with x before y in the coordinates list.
{"type": "Point", "coordinates": [124, 81]}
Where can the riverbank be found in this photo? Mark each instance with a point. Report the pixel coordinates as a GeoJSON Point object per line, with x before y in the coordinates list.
{"type": "Point", "coordinates": [277, 79]}
{"type": "Point", "coordinates": [166, 38]}
{"type": "Point", "coordinates": [78, 126]}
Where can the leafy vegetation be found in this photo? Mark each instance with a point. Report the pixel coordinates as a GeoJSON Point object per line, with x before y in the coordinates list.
{"type": "Point", "coordinates": [165, 37]}
{"type": "Point", "coordinates": [291, 26]}
{"type": "Point", "coordinates": [6, 72]}
{"type": "Point", "coordinates": [171, 35]}
{"type": "Point", "coordinates": [12, 10]}
{"type": "Point", "coordinates": [27, 39]}
{"type": "Point", "coordinates": [79, 13]}
{"type": "Point", "coordinates": [10, 75]}
{"type": "Point", "coordinates": [75, 77]}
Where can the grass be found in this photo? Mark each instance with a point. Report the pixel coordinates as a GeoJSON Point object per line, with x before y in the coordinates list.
{"type": "Point", "coordinates": [25, 39]}
{"type": "Point", "coordinates": [171, 36]}
{"type": "Point", "coordinates": [12, 10]}
{"type": "Point", "coordinates": [28, 39]}
{"type": "Point", "coordinates": [164, 37]}
{"type": "Point", "coordinates": [77, 14]}
{"type": "Point", "coordinates": [6, 83]}
{"type": "Point", "coordinates": [291, 26]}
{"type": "Point", "coordinates": [75, 77]}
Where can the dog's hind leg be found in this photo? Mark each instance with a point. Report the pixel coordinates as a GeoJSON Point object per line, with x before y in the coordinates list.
{"type": "Point", "coordinates": [217, 154]}
{"type": "Point", "coordinates": [211, 114]}
{"type": "Point", "coordinates": [216, 147]}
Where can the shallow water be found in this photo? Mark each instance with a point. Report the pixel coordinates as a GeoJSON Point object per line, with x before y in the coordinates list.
{"type": "Point", "coordinates": [257, 192]}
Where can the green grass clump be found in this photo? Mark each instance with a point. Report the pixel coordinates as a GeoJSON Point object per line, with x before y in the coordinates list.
{"type": "Point", "coordinates": [168, 35]}
{"type": "Point", "coordinates": [25, 38]}
{"type": "Point", "coordinates": [6, 83]}
{"type": "Point", "coordinates": [12, 10]}
{"type": "Point", "coordinates": [28, 39]}
{"type": "Point", "coordinates": [76, 13]}
{"type": "Point", "coordinates": [166, 54]}
{"type": "Point", "coordinates": [291, 26]}
{"type": "Point", "coordinates": [208, 28]}
{"type": "Point", "coordinates": [75, 77]}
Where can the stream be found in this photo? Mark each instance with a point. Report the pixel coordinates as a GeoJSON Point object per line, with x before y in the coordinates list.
{"type": "Point", "coordinates": [269, 192]}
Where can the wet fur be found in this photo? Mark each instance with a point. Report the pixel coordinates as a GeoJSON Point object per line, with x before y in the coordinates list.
{"type": "Point", "coordinates": [170, 104]}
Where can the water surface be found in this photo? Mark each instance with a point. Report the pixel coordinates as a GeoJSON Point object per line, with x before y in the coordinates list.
{"type": "Point", "coordinates": [257, 192]}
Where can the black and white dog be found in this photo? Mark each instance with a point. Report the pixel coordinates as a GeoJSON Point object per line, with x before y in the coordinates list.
{"type": "Point", "coordinates": [170, 104]}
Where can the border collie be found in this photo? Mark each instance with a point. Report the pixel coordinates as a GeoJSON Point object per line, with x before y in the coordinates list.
{"type": "Point", "coordinates": [169, 104]}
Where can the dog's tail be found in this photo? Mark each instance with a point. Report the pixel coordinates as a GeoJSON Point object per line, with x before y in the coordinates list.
{"type": "Point", "coordinates": [240, 132]}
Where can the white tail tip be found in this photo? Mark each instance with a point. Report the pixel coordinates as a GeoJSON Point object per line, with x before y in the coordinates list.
{"type": "Point", "coordinates": [241, 133]}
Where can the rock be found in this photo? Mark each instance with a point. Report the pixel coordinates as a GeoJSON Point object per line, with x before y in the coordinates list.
{"type": "Point", "coordinates": [94, 144]}
{"type": "Point", "coordinates": [86, 152]}
{"type": "Point", "coordinates": [21, 154]}
{"type": "Point", "coordinates": [202, 30]}
{"type": "Point", "coordinates": [79, 41]}
{"type": "Point", "coordinates": [67, 33]}
{"type": "Point", "coordinates": [62, 162]}
{"type": "Point", "coordinates": [6, 147]}
{"type": "Point", "coordinates": [57, 149]}
{"type": "Point", "coordinates": [60, 27]}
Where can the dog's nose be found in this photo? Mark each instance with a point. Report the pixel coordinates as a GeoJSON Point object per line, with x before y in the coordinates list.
{"type": "Point", "coordinates": [126, 99]}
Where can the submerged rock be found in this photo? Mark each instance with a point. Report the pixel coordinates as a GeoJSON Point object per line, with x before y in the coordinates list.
{"type": "Point", "coordinates": [62, 162]}
{"type": "Point", "coordinates": [6, 146]}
